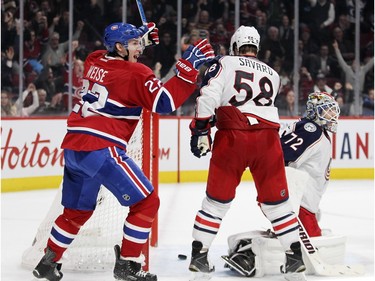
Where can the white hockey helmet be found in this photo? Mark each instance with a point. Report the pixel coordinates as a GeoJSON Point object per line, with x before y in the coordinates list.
{"type": "Point", "coordinates": [244, 35]}
{"type": "Point", "coordinates": [323, 109]}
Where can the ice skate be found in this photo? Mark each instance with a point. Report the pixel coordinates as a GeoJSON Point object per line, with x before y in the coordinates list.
{"type": "Point", "coordinates": [294, 266]}
{"type": "Point", "coordinates": [128, 270]}
{"type": "Point", "coordinates": [199, 264]}
{"type": "Point", "coordinates": [48, 269]}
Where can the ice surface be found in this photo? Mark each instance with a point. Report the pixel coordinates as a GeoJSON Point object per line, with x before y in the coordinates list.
{"type": "Point", "coordinates": [347, 208]}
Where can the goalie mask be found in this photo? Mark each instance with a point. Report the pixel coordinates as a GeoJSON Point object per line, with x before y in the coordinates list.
{"type": "Point", "coordinates": [119, 33]}
{"type": "Point", "coordinates": [244, 35]}
{"type": "Point", "coordinates": [323, 110]}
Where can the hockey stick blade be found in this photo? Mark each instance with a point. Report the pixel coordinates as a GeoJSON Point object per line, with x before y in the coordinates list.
{"type": "Point", "coordinates": [237, 268]}
{"type": "Point", "coordinates": [322, 268]}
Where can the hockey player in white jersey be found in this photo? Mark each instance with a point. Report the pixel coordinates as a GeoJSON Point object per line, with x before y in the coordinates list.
{"type": "Point", "coordinates": [239, 90]}
{"type": "Point", "coordinates": [307, 152]}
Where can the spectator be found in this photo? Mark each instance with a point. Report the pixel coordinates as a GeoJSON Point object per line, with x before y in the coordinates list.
{"type": "Point", "coordinates": [8, 29]}
{"type": "Point", "coordinates": [343, 99]}
{"type": "Point", "coordinates": [164, 53]}
{"type": "Point", "coordinates": [219, 34]}
{"type": "Point", "coordinates": [322, 63]}
{"type": "Point", "coordinates": [9, 70]}
{"type": "Point", "coordinates": [285, 83]}
{"type": "Point", "coordinates": [287, 42]}
{"type": "Point", "coordinates": [44, 105]}
{"type": "Point", "coordinates": [39, 24]}
{"type": "Point", "coordinates": [321, 84]}
{"type": "Point", "coordinates": [260, 23]}
{"type": "Point", "coordinates": [347, 29]}
{"type": "Point", "coordinates": [287, 106]}
{"type": "Point", "coordinates": [368, 103]}
{"type": "Point", "coordinates": [322, 17]}
{"type": "Point", "coordinates": [346, 46]}
{"type": "Point", "coordinates": [60, 25]}
{"type": "Point", "coordinates": [76, 83]}
{"type": "Point", "coordinates": [54, 55]}
{"type": "Point", "coordinates": [28, 102]}
{"type": "Point", "coordinates": [32, 51]}
{"type": "Point", "coordinates": [309, 44]}
{"type": "Point", "coordinates": [349, 70]}
{"type": "Point", "coordinates": [202, 19]}
{"type": "Point", "coordinates": [53, 86]}
{"type": "Point", "coordinates": [271, 49]}
{"type": "Point", "coordinates": [306, 84]}
{"type": "Point", "coordinates": [7, 107]}
{"type": "Point", "coordinates": [93, 24]}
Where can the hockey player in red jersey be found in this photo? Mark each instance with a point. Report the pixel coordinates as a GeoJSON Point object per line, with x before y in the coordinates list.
{"type": "Point", "coordinates": [239, 90]}
{"type": "Point", "coordinates": [115, 89]}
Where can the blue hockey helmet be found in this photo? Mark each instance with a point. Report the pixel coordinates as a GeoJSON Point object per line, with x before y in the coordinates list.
{"type": "Point", "coordinates": [119, 33]}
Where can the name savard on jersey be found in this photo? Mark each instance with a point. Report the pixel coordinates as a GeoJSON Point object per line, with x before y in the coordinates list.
{"type": "Point", "coordinates": [256, 65]}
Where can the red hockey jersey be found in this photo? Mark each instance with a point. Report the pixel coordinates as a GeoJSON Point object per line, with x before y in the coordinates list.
{"type": "Point", "coordinates": [113, 94]}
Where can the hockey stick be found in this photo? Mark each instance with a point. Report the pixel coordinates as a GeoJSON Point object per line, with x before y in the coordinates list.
{"type": "Point", "coordinates": [322, 268]}
{"type": "Point", "coordinates": [145, 40]}
{"type": "Point", "coordinates": [141, 12]}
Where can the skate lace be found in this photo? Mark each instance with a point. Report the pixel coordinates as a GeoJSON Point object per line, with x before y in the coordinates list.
{"type": "Point", "coordinates": [141, 273]}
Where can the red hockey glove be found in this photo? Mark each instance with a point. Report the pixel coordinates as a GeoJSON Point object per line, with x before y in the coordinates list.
{"type": "Point", "coordinates": [198, 54]}
{"type": "Point", "coordinates": [186, 71]}
{"type": "Point", "coordinates": [150, 34]}
{"type": "Point", "coordinates": [200, 141]}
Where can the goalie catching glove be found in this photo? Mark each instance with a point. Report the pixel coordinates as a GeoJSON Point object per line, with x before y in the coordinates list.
{"type": "Point", "coordinates": [192, 59]}
{"type": "Point", "coordinates": [150, 35]}
{"type": "Point", "coordinates": [200, 141]}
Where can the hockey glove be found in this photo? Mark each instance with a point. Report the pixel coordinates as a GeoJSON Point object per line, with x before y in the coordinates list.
{"type": "Point", "coordinates": [200, 141]}
{"type": "Point", "coordinates": [150, 34]}
{"type": "Point", "coordinates": [199, 53]}
{"type": "Point", "coordinates": [194, 56]}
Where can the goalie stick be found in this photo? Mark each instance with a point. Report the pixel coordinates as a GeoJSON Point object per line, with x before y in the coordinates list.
{"type": "Point", "coordinates": [322, 268]}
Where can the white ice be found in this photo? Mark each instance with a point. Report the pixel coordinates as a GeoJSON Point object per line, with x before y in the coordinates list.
{"type": "Point", "coordinates": [347, 208]}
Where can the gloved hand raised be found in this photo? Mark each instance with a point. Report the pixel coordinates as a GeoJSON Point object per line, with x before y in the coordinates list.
{"type": "Point", "coordinates": [200, 141]}
{"type": "Point", "coordinates": [150, 34]}
{"type": "Point", "coordinates": [199, 53]}
{"type": "Point", "coordinates": [194, 56]}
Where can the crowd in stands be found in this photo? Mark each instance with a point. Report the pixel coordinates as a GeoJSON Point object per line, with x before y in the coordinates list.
{"type": "Point", "coordinates": [326, 48]}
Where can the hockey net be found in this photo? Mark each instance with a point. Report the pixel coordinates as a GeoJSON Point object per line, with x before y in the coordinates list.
{"type": "Point", "coordinates": [92, 249]}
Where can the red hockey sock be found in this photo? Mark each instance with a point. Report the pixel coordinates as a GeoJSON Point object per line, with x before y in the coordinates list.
{"type": "Point", "coordinates": [65, 230]}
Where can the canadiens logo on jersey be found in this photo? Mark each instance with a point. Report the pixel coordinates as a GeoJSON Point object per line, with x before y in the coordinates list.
{"type": "Point", "coordinates": [310, 127]}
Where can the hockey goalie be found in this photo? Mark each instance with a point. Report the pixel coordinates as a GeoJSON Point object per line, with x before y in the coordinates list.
{"type": "Point", "coordinates": [307, 152]}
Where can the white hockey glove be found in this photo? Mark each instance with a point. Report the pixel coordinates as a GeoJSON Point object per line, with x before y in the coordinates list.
{"type": "Point", "coordinates": [150, 35]}
{"type": "Point", "coordinates": [200, 141]}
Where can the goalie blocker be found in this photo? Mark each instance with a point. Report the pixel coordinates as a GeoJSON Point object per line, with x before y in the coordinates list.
{"type": "Point", "coordinates": [259, 253]}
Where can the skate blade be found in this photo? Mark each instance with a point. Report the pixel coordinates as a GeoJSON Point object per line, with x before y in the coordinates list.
{"type": "Point", "coordinates": [295, 276]}
{"type": "Point", "coordinates": [200, 276]}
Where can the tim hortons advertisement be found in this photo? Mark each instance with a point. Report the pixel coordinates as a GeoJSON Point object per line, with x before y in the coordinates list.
{"type": "Point", "coordinates": [30, 151]}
